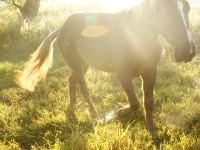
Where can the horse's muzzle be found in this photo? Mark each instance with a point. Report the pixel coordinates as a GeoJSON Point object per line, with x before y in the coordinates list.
{"type": "Point", "coordinates": [191, 54]}
{"type": "Point", "coordinates": [185, 55]}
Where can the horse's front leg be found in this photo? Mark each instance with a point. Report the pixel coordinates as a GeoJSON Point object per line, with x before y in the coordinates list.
{"type": "Point", "coordinates": [126, 82]}
{"type": "Point", "coordinates": [148, 84]}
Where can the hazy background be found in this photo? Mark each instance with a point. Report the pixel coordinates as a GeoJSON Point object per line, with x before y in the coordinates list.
{"type": "Point", "coordinates": [108, 5]}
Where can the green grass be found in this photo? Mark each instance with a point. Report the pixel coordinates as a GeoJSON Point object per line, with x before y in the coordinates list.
{"type": "Point", "coordinates": [40, 120]}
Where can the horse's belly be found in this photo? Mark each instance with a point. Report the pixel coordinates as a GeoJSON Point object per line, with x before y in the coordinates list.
{"type": "Point", "coordinates": [97, 52]}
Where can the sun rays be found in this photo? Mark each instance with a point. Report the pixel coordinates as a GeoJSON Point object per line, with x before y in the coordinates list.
{"type": "Point", "coordinates": [106, 5]}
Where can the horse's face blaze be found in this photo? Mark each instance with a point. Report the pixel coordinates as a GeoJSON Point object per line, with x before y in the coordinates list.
{"type": "Point", "coordinates": [175, 27]}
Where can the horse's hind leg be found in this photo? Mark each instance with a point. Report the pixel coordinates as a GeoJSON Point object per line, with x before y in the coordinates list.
{"type": "Point", "coordinates": [73, 86]}
{"type": "Point", "coordinates": [84, 89]}
{"type": "Point", "coordinates": [77, 65]}
{"type": "Point", "coordinates": [79, 69]}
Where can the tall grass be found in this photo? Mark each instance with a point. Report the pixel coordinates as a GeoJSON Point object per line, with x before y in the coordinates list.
{"type": "Point", "coordinates": [40, 120]}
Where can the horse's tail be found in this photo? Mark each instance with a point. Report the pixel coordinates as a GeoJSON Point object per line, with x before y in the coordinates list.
{"type": "Point", "coordinates": [36, 68]}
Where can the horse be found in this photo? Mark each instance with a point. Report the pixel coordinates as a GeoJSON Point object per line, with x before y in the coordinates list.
{"type": "Point", "coordinates": [125, 44]}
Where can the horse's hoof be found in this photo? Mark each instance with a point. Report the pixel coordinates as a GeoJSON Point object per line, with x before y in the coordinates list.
{"type": "Point", "coordinates": [71, 116]}
{"type": "Point", "coordinates": [94, 113]}
{"type": "Point", "coordinates": [152, 130]}
{"type": "Point", "coordinates": [124, 111]}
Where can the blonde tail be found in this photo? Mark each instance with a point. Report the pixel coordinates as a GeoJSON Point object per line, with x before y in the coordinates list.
{"type": "Point", "coordinates": [38, 65]}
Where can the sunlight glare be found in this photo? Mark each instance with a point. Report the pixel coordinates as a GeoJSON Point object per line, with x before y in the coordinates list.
{"type": "Point", "coordinates": [114, 5]}
{"type": "Point", "coordinates": [107, 5]}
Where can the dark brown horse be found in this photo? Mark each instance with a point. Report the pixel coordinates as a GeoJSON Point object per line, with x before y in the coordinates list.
{"type": "Point", "coordinates": [125, 44]}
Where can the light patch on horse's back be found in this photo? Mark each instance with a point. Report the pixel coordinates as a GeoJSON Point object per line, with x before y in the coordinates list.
{"type": "Point", "coordinates": [95, 31]}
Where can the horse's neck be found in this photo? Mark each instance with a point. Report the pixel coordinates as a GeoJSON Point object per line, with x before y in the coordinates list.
{"type": "Point", "coordinates": [143, 23]}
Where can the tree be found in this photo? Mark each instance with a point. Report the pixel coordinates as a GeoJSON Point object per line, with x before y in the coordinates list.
{"type": "Point", "coordinates": [30, 8]}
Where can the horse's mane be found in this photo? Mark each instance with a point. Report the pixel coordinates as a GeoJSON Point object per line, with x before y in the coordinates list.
{"type": "Point", "coordinates": [135, 9]}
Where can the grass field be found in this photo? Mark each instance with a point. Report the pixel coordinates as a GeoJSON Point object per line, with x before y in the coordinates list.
{"type": "Point", "coordinates": [40, 120]}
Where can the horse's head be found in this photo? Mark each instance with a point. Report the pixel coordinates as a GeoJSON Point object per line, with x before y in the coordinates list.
{"type": "Point", "coordinates": [173, 23]}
